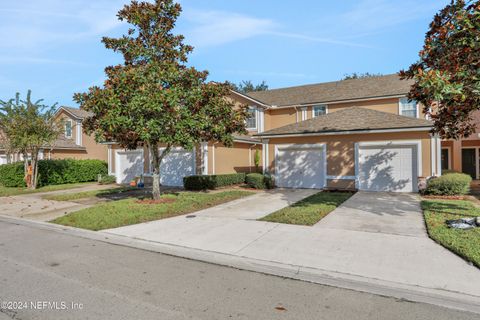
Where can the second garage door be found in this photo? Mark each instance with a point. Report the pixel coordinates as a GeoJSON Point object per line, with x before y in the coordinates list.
{"type": "Point", "coordinates": [300, 167]}
{"type": "Point", "coordinates": [177, 164]}
{"type": "Point", "coordinates": [388, 168]}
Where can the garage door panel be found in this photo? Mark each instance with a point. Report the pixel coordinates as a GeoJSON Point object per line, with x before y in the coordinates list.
{"type": "Point", "coordinates": [176, 165]}
{"type": "Point", "coordinates": [300, 168]}
{"type": "Point", "coordinates": [130, 165]}
{"type": "Point", "coordinates": [388, 168]}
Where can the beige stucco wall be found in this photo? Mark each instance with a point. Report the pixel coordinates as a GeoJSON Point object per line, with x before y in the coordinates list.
{"type": "Point", "coordinates": [239, 158]}
{"type": "Point", "coordinates": [341, 150]}
{"type": "Point", "coordinates": [276, 118]}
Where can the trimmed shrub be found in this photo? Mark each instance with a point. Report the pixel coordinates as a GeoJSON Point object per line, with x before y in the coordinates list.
{"type": "Point", "coordinates": [12, 175]}
{"type": "Point", "coordinates": [453, 184]}
{"type": "Point", "coordinates": [52, 172]}
{"type": "Point", "coordinates": [212, 181]}
{"type": "Point", "coordinates": [257, 180]}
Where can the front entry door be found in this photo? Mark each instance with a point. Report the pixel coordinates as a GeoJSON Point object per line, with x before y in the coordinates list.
{"type": "Point", "coordinates": [469, 164]}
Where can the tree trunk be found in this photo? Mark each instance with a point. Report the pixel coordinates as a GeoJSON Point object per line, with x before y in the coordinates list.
{"type": "Point", "coordinates": [157, 157]}
{"type": "Point", "coordinates": [34, 168]}
{"type": "Point", "coordinates": [25, 169]}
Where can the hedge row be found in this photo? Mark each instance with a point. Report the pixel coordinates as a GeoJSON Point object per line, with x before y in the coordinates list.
{"type": "Point", "coordinates": [52, 172]}
{"type": "Point", "coordinates": [212, 181]}
{"type": "Point", "coordinates": [450, 184]}
{"type": "Point", "coordinates": [259, 181]}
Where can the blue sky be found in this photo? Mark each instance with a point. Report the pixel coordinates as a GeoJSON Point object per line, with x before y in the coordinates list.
{"type": "Point", "coordinates": [53, 46]}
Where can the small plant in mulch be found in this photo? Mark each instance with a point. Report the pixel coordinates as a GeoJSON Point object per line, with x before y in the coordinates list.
{"type": "Point", "coordinates": [152, 201]}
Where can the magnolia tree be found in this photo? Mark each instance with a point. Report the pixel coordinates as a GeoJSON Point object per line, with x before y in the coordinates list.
{"type": "Point", "coordinates": [153, 98]}
{"type": "Point", "coordinates": [447, 75]}
{"type": "Point", "coordinates": [27, 127]}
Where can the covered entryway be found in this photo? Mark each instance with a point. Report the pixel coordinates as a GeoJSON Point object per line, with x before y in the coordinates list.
{"type": "Point", "coordinates": [176, 165]}
{"type": "Point", "coordinates": [300, 166]}
{"type": "Point", "coordinates": [129, 165]}
{"type": "Point", "coordinates": [388, 167]}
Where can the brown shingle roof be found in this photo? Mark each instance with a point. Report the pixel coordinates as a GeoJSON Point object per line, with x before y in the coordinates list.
{"type": "Point", "coordinates": [350, 119]}
{"type": "Point", "coordinates": [78, 113]}
{"type": "Point", "coordinates": [63, 143]}
{"type": "Point", "coordinates": [382, 86]}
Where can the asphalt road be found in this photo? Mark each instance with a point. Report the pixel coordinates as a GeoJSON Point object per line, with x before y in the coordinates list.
{"type": "Point", "coordinates": [52, 275]}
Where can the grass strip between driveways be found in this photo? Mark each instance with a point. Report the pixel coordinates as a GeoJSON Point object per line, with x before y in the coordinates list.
{"type": "Point", "coordinates": [87, 194]}
{"type": "Point", "coordinates": [6, 191]}
{"type": "Point", "coordinates": [309, 210]}
{"type": "Point", "coordinates": [129, 211]}
{"type": "Point", "coordinates": [465, 243]}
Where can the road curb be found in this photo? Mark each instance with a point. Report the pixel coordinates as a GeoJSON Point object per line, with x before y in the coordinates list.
{"type": "Point", "coordinates": [439, 297]}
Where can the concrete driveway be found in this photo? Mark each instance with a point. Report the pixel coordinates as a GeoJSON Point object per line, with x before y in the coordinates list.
{"type": "Point", "coordinates": [372, 238]}
{"type": "Point", "coordinates": [377, 212]}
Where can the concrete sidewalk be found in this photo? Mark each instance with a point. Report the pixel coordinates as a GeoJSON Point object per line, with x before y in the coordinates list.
{"type": "Point", "coordinates": [376, 239]}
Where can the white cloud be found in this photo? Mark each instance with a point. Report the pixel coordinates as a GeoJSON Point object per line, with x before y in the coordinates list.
{"type": "Point", "coordinates": [377, 15]}
{"type": "Point", "coordinates": [34, 25]}
{"type": "Point", "coordinates": [211, 28]}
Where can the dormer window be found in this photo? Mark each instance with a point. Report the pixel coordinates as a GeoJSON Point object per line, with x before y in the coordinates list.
{"type": "Point", "coordinates": [251, 120]}
{"type": "Point", "coordinates": [408, 108]}
{"type": "Point", "coordinates": [68, 129]}
{"type": "Point", "coordinates": [319, 110]}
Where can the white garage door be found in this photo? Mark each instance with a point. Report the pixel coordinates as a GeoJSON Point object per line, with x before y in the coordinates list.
{"type": "Point", "coordinates": [177, 164]}
{"type": "Point", "coordinates": [388, 168]}
{"type": "Point", "coordinates": [300, 167]}
{"type": "Point", "coordinates": [129, 164]}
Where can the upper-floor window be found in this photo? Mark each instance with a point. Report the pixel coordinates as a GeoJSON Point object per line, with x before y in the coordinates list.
{"type": "Point", "coordinates": [68, 128]}
{"type": "Point", "coordinates": [408, 108]}
{"type": "Point", "coordinates": [251, 120]}
{"type": "Point", "coordinates": [319, 110]}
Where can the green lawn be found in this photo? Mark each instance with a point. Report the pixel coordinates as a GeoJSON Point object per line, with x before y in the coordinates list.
{"type": "Point", "coordinates": [126, 212]}
{"type": "Point", "coordinates": [309, 210]}
{"type": "Point", "coordinates": [87, 194]}
{"type": "Point", "coordinates": [465, 243]}
{"type": "Point", "coordinates": [5, 191]}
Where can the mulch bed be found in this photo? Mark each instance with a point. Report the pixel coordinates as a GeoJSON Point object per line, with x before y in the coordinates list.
{"type": "Point", "coordinates": [151, 201]}
{"type": "Point", "coordinates": [446, 197]}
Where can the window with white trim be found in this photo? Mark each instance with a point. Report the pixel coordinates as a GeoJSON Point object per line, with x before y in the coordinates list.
{"type": "Point", "coordinates": [319, 110]}
{"type": "Point", "coordinates": [408, 108]}
{"type": "Point", "coordinates": [251, 120]}
{"type": "Point", "coordinates": [68, 128]}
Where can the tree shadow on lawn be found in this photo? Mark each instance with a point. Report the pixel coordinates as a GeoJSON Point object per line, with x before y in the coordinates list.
{"type": "Point", "coordinates": [128, 193]}
{"type": "Point", "coordinates": [456, 207]}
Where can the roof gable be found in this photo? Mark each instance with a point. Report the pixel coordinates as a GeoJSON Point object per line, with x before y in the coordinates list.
{"type": "Point", "coordinates": [75, 113]}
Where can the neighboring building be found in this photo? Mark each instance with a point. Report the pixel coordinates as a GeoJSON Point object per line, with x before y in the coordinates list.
{"type": "Point", "coordinates": [73, 143]}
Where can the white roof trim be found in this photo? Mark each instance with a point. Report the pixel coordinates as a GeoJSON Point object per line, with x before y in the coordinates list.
{"type": "Point", "coordinates": [257, 102]}
{"type": "Point", "coordinates": [334, 133]}
{"type": "Point", "coordinates": [69, 112]}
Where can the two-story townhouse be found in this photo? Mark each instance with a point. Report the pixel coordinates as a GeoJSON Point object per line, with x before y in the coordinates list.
{"type": "Point", "coordinates": [72, 143]}
{"type": "Point", "coordinates": [359, 133]}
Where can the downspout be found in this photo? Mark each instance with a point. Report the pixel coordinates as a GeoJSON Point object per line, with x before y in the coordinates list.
{"type": "Point", "coordinates": [250, 157]}
{"type": "Point", "coordinates": [213, 157]}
